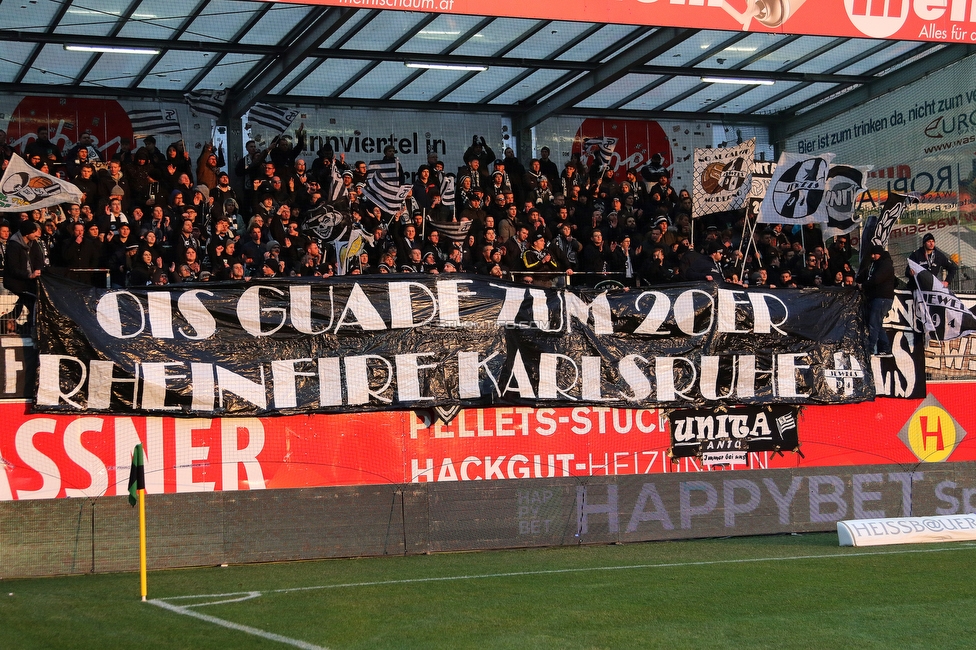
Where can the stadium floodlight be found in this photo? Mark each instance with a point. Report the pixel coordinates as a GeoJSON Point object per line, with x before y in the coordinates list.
{"type": "Point", "coordinates": [109, 49]}
{"type": "Point", "coordinates": [740, 81]}
{"type": "Point", "coordinates": [445, 66]}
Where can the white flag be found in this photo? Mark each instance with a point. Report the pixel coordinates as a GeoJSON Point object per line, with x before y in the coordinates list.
{"type": "Point", "coordinates": [798, 190]}
{"type": "Point", "coordinates": [25, 188]}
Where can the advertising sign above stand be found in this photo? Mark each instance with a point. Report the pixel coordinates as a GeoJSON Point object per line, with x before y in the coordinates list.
{"type": "Point", "coordinates": [948, 21]}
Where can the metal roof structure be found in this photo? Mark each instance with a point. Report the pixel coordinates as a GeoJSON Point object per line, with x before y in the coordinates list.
{"type": "Point", "coordinates": [528, 69]}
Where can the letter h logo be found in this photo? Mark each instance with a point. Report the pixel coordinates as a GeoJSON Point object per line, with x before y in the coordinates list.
{"type": "Point", "coordinates": [929, 433]}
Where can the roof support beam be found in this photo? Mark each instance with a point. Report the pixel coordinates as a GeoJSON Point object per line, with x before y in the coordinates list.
{"type": "Point", "coordinates": [603, 76]}
{"type": "Point", "coordinates": [278, 68]}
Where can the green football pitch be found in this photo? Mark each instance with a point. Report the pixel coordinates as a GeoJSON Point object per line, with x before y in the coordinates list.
{"type": "Point", "coordinates": [797, 591]}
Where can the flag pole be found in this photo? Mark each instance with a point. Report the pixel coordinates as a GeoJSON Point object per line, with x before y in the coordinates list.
{"type": "Point", "coordinates": [142, 544]}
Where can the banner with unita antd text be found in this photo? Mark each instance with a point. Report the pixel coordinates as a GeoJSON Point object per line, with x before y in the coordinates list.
{"type": "Point", "coordinates": [727, 436]}
{"type": "Point", "coordinates": [338, 345]}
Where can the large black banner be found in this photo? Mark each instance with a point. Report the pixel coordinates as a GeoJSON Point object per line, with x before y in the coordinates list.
{"type": "Point", "coordinates": [378, 343]}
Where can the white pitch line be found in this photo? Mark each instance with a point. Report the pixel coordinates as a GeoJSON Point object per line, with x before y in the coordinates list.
{"type": "Point", "coordinates": [516, 574]}
{"type": "Point", "coordinates": [247, 629]}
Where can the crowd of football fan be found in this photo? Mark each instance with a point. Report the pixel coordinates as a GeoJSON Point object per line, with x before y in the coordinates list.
{"type": "Point", "coordinates": [155, 216]}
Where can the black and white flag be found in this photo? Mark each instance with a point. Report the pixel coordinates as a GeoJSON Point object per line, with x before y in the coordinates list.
{"type": "Point", "coordinates": [276, 118]}
{"type": "Point", "coordinates": [383, 185]}
{"type": "Point", "coordinates": [601, 149]}
{"type": "Point", "coordinates": [943, 316]}
{"type": "Point", "coordinates": [155, 121]}
{"type": "Point", "coordinates": [845, 184]}
{"type": "Point", "coordinates": [454, 231]}
{"type": "Point", "coordinates": [206, 101]}
{"type": "Point", "coordinates": [723, 178]}
{"type": "Point", "coordinates": [797, 190]}
{"type": "Point", "coordinates": [337, 188]}
{"type": "Point", "coordinates": [877, 227]}
{"type": "Point", "coordinates": [448, 190]}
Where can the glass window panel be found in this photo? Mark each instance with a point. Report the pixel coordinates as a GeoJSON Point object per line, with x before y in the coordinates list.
{"type": "Point", "coordinates": [157, 19]}
{"type": "Point", "coordinates": [176, 69]}
{"type": "Point", "coordinates": [92, 19]}
{"type": "Point", "coordinates": [30, 17]}
{"type": "Point", "coordinates": [534, 83]}
{"type": "Point", "coordinates": [272, 28]}
{"type": "Point", "coordinates": [378, 81]}
{"type": "Point", "coordinates": [220, 22]}
{"type": "Point", "coordinates": [657, 96]}
{"type": "Point", "coordinates": [550, 38]}
{"type": "Point", "coordinates": [327, 77]}
{"type": "Point", "coordinates": [800, 97]}
{"type": "Point", "coordinates": [381, 32]}
{"type": "Point", "coordinates": [494, 37]}
{"type": "Point", "coordinates": [618, 90]}
{"type": "Point", "coordinates": [296, 73]}
{"type": "Point", "coordinates": [52, 66]}
{"type": "Point", "coordinates": [704, 99]}
{"type": "Point", "coordinates": [559, 85]}
{"type": "Point", "coordinates": [440, 34]}
{"type": "Point", "coordinates": [691, 48]}
{"type": "Point", "coordinates": [12, 53]}
{"type": "Point", "coordinates": [483, 84]}
{"type": "Point", "coordinates": [759, 94]}
{"type": "Point", "coordinates": [601, 40]}
{"type": "Point", "coordinates": [894, 50]}
{"type": "Point", "coordinates": [785, 57]}
{"type": "Point", "coordinates": [229, 71]}
{"type": "Point", "coordinates": [835, 56]}
{"type": "Point", "coordinates": [116, 70]}
{"type": "Point", "coordinates": [358, 20]}
{"type": "Point", "coordinates": [429, 85]}
{"type": "Point", "coordinates": [735, 53]}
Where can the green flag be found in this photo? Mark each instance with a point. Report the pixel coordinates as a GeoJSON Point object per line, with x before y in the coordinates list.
{"type": "Point", "coordinates": [137, 475]}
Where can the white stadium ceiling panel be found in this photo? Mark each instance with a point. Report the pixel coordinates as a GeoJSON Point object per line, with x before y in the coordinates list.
{"type": "Point", "coordinates": [529, 68]}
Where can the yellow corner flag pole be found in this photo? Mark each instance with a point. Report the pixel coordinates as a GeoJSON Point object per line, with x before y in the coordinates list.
{"type": "Point", "coordinates": [142, 543]}
{"type": "Point", "coordinates": [137, 494]}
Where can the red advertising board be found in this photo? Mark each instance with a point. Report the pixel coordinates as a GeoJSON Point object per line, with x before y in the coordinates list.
{"type": "Point", "coordinates": [944, 21]}
{"type": "Point", "coordinates": [45, 456]}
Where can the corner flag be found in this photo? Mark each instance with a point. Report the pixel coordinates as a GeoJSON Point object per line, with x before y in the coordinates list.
{"type": "Point", "coordinates": [137, 475]}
